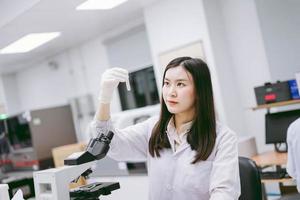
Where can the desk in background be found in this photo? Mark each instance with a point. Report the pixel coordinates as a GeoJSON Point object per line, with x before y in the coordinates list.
{"type": "Point", "coordinates": [270, 158]}
{"type": "Point", "coordinates": [273, 158]}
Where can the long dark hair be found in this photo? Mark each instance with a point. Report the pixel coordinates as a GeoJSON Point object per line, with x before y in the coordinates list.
{"type": "Point", "coordinates": [202, 135]}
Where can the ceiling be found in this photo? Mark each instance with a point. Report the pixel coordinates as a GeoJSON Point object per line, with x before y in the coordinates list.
{"type": "Point", "coordinates": [19, 18]}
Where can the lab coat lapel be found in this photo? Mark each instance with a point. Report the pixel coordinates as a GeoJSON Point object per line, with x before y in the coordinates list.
{"type": "Point", "coordinates": [181, 148]}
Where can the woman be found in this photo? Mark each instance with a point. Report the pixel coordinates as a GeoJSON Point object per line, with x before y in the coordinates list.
{"type": "Point", "coordinates": [190, 156]}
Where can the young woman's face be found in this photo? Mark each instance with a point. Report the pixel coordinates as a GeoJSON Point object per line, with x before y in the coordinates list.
{"type": "Point", "coordinates": [179, 91]}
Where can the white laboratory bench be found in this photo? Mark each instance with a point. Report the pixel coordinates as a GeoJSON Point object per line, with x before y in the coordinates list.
{"type": "Point", "coordinates": [133, 187]}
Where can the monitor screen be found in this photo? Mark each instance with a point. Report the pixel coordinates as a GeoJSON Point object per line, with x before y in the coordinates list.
{"type": "Point", "coordinates": [2, 127]}
{"type": "Point", "coordinates": [277, 125]}
{"type": "Point", "coordinates": [143, 90]}
{"type": "Point", "coordinates": [18, 132]}
{"type": "Point", "coordinates": [4, 145]}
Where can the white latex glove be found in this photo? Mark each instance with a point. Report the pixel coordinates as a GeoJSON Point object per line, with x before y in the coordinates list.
{"type": "Point", "coordinates": [18, 195]}
{"type": "Point", "coordinates": [110, 81]}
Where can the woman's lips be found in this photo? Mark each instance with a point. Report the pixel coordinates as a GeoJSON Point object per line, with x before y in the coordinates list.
{"type": "Point", "coordinates": [172, 103]}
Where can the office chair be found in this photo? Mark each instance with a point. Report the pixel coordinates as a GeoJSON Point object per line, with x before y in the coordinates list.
{"type": "Point", "coordinates": [250, 180]}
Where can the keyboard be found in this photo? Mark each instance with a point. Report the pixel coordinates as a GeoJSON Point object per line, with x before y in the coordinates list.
{"type": "Point", "coordinates": [273, 175]}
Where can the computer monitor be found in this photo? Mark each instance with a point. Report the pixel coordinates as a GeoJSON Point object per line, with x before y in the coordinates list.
{"type": "Point", "coordinates": [2, 127]}
{"type": "Point", "coordinates": [4, 145]}
{"type": "Point", "coordinates": [18, 132]}
{"type": "Point", "coordinates": [143, 91]}
{"type": "Point", "coordinates": [277, 125]}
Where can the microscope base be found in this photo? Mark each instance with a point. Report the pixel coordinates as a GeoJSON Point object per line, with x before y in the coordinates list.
{"type": "Point", "coordinates": [93, 191]}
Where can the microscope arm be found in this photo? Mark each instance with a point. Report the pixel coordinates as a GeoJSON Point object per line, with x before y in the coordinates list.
{"type": "Point", "coordinates": [96, 150]}
{"type": "Point", "coordinates": [53, 184]}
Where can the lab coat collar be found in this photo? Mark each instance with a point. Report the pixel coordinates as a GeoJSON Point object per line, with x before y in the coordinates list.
{"type": "Point", "coordinates": [184, 129]}
{"type": "Point", "coordinates": [181, 148]}
{"type": "Point", "coordinates": [174, 136]}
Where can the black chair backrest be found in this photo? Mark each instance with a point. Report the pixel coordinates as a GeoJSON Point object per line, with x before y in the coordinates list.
{"type": "Point", "coordinates": [250, 180]}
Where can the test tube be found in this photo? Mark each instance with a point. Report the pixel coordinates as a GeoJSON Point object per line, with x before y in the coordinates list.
{"type": "Point", "coordinates": [128, 84]}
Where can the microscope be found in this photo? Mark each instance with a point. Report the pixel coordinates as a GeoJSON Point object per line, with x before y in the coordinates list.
{"type": "Point", "coordinates": [53, 184]}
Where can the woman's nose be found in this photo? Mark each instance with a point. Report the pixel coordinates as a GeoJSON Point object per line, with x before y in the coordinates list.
{"type": "Point", "coordinates": [172, 92]}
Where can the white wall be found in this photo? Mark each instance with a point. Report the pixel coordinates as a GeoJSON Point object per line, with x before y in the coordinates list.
{"type": "Point", "coordinates": [41, 86]}
{"type": "Point", "coordinates": [79, 70]}
{"type": "Point", "coordinates": [224, 66]}
{"type": "Point", "coordinates": [234, 48]}
{"type": "Point", "coordinates": [3, 103]}
{"type": "Point", "coordinates": [129, 50]}
{"type": "Point", "coordinates": [173, 23]}
{"type": "Point", "coordinates": [280, 26]}
{"type": "Point", "coordinates": [88, 62]}
{"type": "Point", "coordinates": [11, 94]}
{"type": "Point", "coordinates": [249, 60]}
{"type": "Point", "coordinates": [78, 73]}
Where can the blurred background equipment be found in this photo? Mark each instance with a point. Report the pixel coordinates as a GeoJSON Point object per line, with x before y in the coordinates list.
{"type": "Point", "coordinates": [4, 145]}
{"type": "Point", "coordinates": [272, 92]}
{"type": "Point", "coordinates": [32, 135]}
{"type": "Point", "coordinates": [83, 111]}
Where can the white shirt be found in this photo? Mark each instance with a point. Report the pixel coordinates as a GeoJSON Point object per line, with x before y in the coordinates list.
{"type": "Point", "coordinates": [177, 138]}
{"type": "Point", "coordinates": [172, 176]}
{"type": "Point", "coordinates": [293, 141]}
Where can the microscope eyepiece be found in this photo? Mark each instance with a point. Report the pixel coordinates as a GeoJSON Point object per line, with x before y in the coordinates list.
{"type": "Point", "coordinates": [96, 150]}
{"type": "Point", "coordinates": [110, 135]}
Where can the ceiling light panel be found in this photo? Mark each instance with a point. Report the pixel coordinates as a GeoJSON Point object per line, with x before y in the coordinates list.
{"type": "Point", "coordinates": [29, 42]}
{"type": "Point", "coordinates": [100, 4]}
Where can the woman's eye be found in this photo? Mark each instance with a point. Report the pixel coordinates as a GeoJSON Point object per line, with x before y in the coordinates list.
{"type": "Point", "coordinates": [166, 83]}
{"type": "Point", "coordinates": [180, 84]}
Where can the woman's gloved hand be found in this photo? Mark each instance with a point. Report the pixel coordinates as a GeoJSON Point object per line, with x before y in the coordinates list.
{"type": "Point", "coordinates": [109, 82]}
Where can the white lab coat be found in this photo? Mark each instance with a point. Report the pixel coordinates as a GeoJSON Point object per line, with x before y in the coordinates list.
{"type": "Point", "coordinates": [172, 176]}
{"type": "Point", "coordinates": [293, 141]}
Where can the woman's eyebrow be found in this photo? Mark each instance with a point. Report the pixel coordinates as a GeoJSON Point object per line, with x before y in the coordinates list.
{"type": "Point", "coordinates": [177, 80]}
{"type": "Point", "coordinates": [181, 80]}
